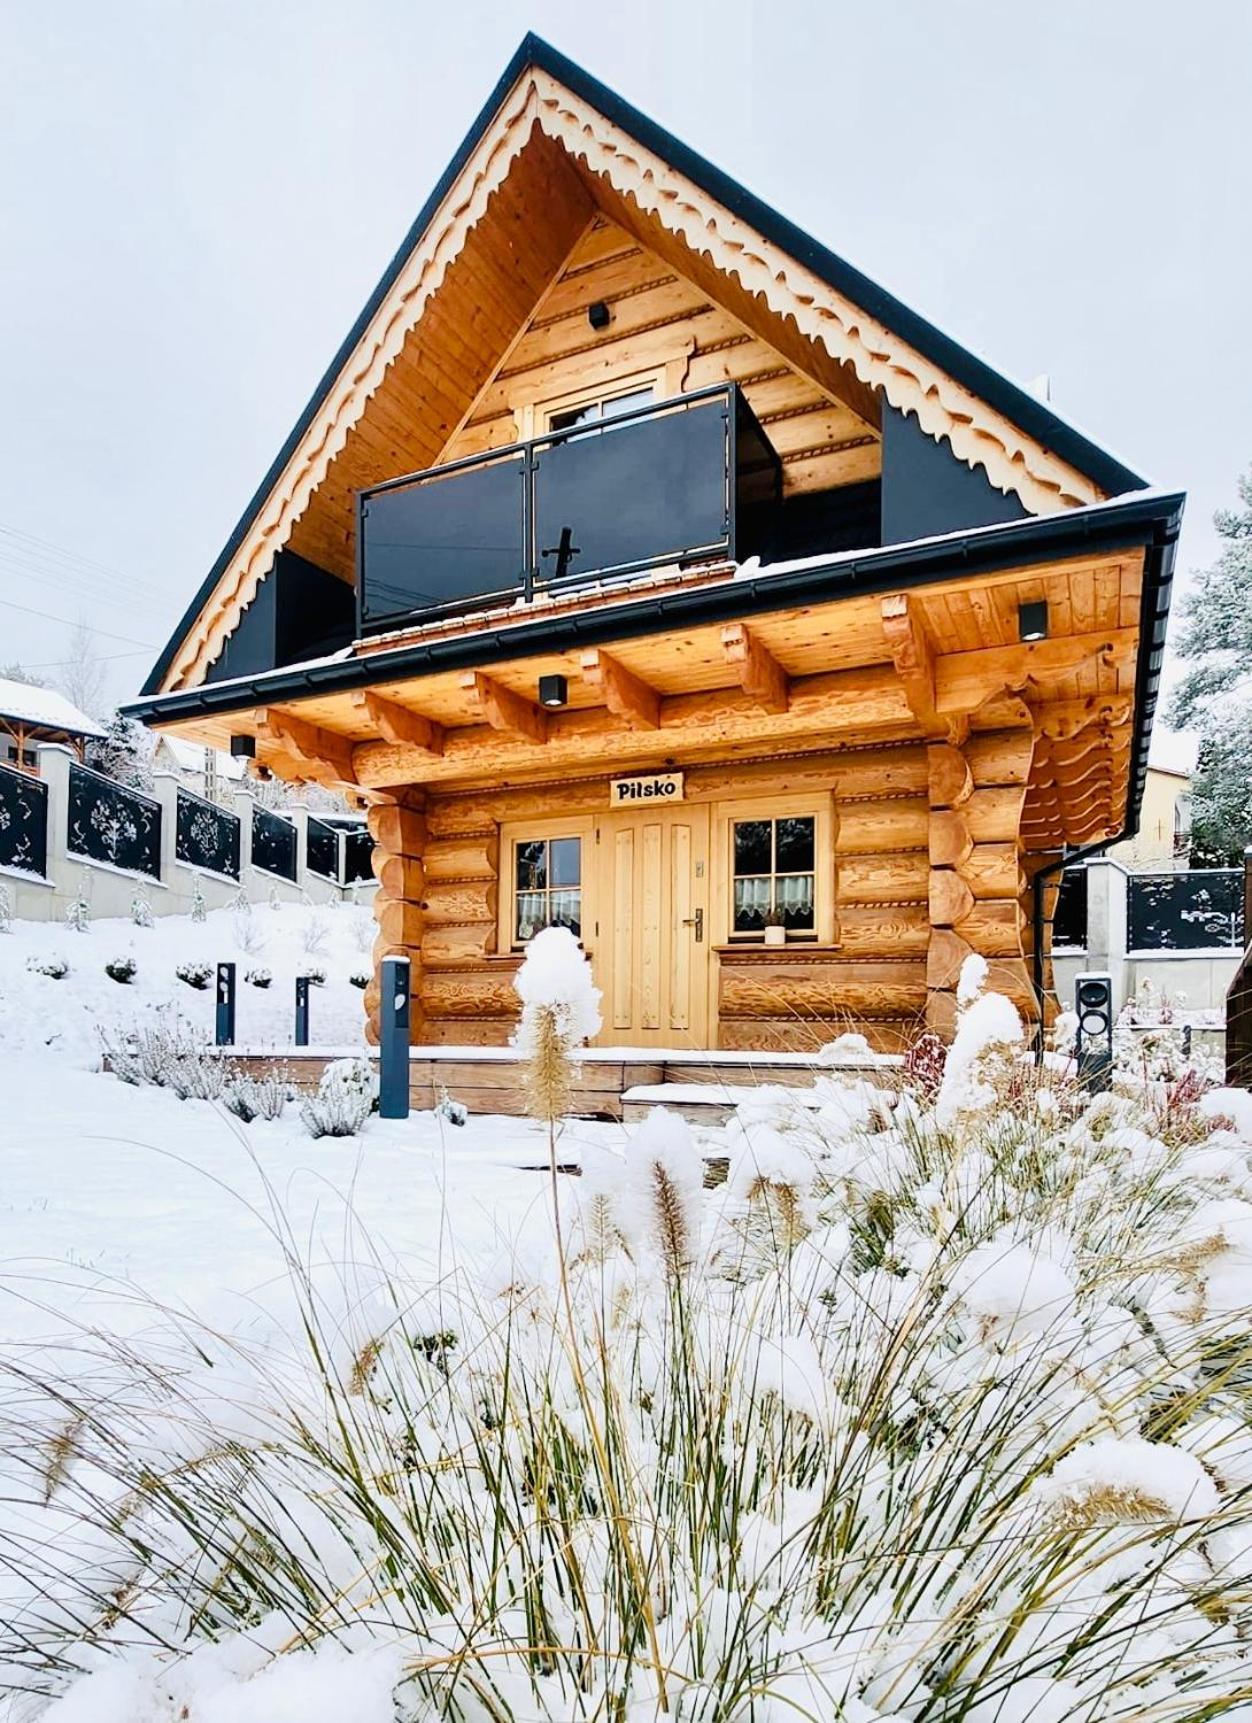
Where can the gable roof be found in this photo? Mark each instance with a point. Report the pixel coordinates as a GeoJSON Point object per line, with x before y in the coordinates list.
{"type": "Point", "coordinates": [880, 337]}
{"type": "Point", "coordinates": [44, 708]}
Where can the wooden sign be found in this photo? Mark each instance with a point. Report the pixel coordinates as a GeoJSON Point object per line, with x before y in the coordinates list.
{"type": "Point", "coordinates": [646, 792]}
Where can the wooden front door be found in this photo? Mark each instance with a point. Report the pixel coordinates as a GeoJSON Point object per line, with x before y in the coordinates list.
{"type": "Point", "coordinates": [652, 942]}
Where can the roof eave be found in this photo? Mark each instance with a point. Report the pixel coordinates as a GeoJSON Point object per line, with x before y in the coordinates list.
{"type": "Point", "coordinates": [1150, 522]}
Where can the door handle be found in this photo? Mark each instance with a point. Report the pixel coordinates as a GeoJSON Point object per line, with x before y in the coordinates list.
{"type": "Point", "coordinates": [696, 921]}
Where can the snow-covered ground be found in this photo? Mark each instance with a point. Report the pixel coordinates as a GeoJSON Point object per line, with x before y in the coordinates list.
{"type": "Point", "coordinates": [64, 1017]}
{"type": "Point", "coordinates": [113, 1196]}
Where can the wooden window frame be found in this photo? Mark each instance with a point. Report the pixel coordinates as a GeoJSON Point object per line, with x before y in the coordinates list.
{"type": "Point", "coordinates": [529, 831]}
{"type": "Point", "coordinates": [820, 807]}
{"type": "Point", "coordinates": [534, 417]}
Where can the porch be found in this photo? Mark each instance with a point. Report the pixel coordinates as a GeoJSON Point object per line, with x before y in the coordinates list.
{"type": "Point", "coordinates": [612, 1082]}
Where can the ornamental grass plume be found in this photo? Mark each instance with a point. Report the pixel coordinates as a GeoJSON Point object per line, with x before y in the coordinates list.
{"type": "Point", "coordinates": [938, 1410]}
{"type": "Point", "coordinates": [560, 1010]}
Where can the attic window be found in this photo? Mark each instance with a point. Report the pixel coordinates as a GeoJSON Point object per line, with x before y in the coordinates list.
{"type": "Point", "coordinates": [595, 411]}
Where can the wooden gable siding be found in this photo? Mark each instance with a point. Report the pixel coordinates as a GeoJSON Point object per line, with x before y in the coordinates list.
{"type": "Point", "coordinates": [488, 292]}
{"type": "Point", "coordinates": [662, 321]}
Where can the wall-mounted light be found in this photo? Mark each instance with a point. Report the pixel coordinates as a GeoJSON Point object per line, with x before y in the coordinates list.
{"type": "Point", "coordinates": [243, 747]}
{"type": "Point", "coordinates": [1032, 620]}
{"type": "Point", "coordinates": [553, 690]}
{"type": "Point", "coordinates": [598, 315]}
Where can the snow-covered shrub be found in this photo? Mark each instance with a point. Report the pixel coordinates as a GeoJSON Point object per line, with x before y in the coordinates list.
{"type": "Point", "coordinates": [196, 974]}
{"type": "Point", "coordinates": [450, 1111]}
{"type": "Point", "coordinates": [78, 913]}
{"type": "Point", "coordinates": [360, 978]}
{"type": "Point", "coordinates": [6, 909]}
{"type": "Point", "coordinates": [313, 936]}
{"type": "Point", "coordinates": [141, 909]}
{"type": "Point", "coordinates": [259, 1097]}
{"type": "Point", "coordinates": [274, 901]}
{"type": "Point", "coordinates": [314, 974]}
{"type": "Point", "coordinates": [199, 908]}
{"type": "Point", "coordinates": [121, 969]}
{"type": "Point", "coordinates": [347, 1094]}
{"type": "Point", "coordinates": [152, 1052]}
{"type": "Point", "coordinates": [937, 1411]}
{"type": "Point", "coordinates": [259, 976]}
{"type": "Point", "coordinates": [200, 1074]}
{"type": "Point", "coordinates": [53, 966]}
{"type": "Point", "coordinates": [248, 935]}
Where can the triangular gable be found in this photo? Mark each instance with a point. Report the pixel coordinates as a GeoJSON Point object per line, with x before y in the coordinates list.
{"type": "Point", "coordinates": [550, 127]}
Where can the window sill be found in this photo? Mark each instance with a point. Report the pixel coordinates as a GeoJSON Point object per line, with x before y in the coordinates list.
{"type": "Point", "coordinates": [792, 948]}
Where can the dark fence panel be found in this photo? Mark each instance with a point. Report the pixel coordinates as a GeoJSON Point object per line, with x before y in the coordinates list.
{"type": "Point", "coordinates": [109, 823]}
{"type": "Point", "coordinates": [273, 844]}
{"type": "Point", "coordinates": [358, 852]}
{"type": "Point", "coordinates": [1198, 911]}
{"type": "Point", "coordinates": [207, 836]}
{"type": "Point", "coordinates": [1069, 922]}
{"type": "Point", "coordinates": [321, 849]}
{"type": "Point", "coordinates": [23, 822]}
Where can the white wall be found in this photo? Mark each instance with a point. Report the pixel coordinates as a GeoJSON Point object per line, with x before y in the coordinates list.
{"type": "Point", "coordinates": [110, 891]}
{"type": "Point", "coordinates": [1202, 976]}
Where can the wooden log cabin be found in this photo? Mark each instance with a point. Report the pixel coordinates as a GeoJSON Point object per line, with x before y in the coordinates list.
{"type": "Point", "coordinates": [648, 570]}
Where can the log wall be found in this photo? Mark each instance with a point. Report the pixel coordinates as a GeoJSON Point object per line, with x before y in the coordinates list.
{"type": "Point", "coordinates": [925, 868]}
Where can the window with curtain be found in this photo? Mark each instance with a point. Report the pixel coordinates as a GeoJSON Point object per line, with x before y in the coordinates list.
{"type": "Point", "coordinates": [547, 876]}
{"type": "Point", "coordinates": [774, 868]}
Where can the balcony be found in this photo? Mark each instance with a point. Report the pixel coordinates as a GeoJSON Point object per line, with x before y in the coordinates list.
{"type": "Point", "coordinates": [689, 480]}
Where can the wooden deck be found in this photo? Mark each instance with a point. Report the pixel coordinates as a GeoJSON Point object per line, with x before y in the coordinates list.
{"type": "Point", "coordinates": [489, 1080]}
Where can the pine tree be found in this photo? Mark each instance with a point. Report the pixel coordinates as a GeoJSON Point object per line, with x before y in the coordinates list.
{"type": "Point", "coordinates": [1215, 694]}
{"type": "Point", "coordinates": [123, 753]}
{"type": "Point", "coordinates": [198, 905]}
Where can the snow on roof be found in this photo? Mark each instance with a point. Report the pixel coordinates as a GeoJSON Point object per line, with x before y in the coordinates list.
{"type": "Point", "coordinates": [189, 756]}
{"type": "Point", "coordinates": [1174, 751]}
{"type": "Point", "coordinates": [45, 707]}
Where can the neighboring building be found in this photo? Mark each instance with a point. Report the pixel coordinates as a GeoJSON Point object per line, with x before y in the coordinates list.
{"type": "Point", "coordinates": [1163, 840]}
{"type": "Point", "coordinates": [30, 715]}
{"type": "Point", "coordinates": [657, 575]}
{"type": "Point", "coordinates": [207, 772]}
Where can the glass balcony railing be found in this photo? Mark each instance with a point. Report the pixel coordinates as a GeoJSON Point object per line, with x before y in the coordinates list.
{"type": "Point", "coordinates": [670, 483]}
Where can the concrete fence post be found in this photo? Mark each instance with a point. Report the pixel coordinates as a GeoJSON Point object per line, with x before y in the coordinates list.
{"type": "Point", "coordinates": [1107, 924]}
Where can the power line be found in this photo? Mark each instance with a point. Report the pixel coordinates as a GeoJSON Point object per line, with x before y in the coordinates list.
{"type": "Point", "coordinates": [47, 616]}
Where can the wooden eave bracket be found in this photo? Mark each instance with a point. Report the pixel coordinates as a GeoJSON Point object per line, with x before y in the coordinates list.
{"type": "Point", "coordinates": [322, 754]}
{"type": "Point", "coordinates": [397, 724]}
{"type": "Point", "coordinates": [626, 695]}
{"type": "Point", "coordinates": [758, 672]}
{"type": "Point", "coordinates": [913, 655]}
{"type": "Point", "coordinates": [504, 710]}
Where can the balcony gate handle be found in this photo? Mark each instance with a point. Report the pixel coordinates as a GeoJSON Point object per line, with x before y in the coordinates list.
{"type": "Point", "coordinates": [696, 921]}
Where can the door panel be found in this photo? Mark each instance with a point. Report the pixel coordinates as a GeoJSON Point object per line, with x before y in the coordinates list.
{"type": "Point", "coordinates": [651, 955]}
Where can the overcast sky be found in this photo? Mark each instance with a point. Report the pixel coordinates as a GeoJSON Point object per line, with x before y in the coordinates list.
{"type": "Point", "coordinates": [196, 199]}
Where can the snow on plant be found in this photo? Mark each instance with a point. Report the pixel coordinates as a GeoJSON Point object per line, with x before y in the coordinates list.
{"type": "Point", "coordinates": [195, 974]}
{"type": "Point", "coordinates": [78, 913]}
{"type": "Point", "coordinates": [141, 910]}
{"type": "Point", "coordinates": [258, 1097]}
{"type": "Point", "coordinates": [258, 976]}
{"type": "Point", "coordinates": [6, 909]}
{"type": "Point", "coordinates": [313, 936]}
{"type": "Point", "coordinates": [938, 1409]}
{"type": "Point", "coordinates": [53, 966]}
{"type": "Point", "coordinates": [360, 978]}
{"type": "Point", "coordinates": [165, 1052]}
{"type": "Point", "coordinates": [199, 907]}
{"type": "Point", "coordinates": [314, 974]}
{"type": "Point", "coordinates": [347, 1093]}
{"type": "Point", "coordinates": [121, 969]}
{"type": "Point", "coordinates": [560, 1010]}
